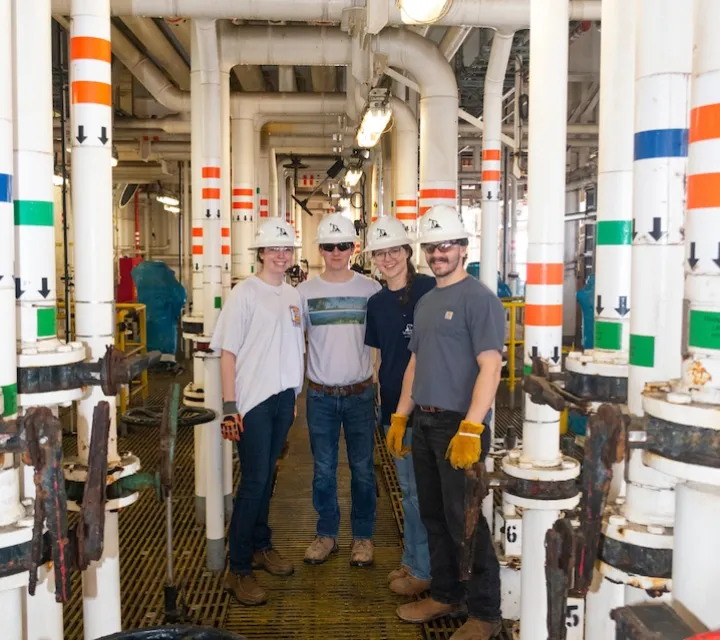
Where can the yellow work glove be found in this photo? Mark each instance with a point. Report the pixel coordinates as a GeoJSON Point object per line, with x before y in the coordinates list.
{"type": "Point", "coordinates": [395, 436]}
{"type": "Point", "coordinates": [465, 448]}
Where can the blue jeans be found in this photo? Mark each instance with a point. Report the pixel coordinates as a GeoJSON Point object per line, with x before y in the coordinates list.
{"type": "Point", "coordinates": [356, 414]}
{"type": "Point", "coordinates": [416, 556]}
{"type": "Point", "coordinates": [266, 429]}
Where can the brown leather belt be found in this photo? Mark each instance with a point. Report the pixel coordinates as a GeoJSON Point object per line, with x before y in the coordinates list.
{"type": "Point", "coordinates": [425, 409]}
{"type": "Point", "coordinates": [347, 390]}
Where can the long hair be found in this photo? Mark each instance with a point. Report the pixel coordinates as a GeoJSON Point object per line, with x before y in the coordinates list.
{"type": "Point", "coordinates": [411, 273]}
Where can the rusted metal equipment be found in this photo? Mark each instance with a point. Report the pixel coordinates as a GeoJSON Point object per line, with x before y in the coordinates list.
{"type": "Point", "coordinates": [476, 488]}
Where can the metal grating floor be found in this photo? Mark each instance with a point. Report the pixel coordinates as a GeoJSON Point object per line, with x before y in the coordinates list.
{"type": "Point", "coordinates": [329, 601]}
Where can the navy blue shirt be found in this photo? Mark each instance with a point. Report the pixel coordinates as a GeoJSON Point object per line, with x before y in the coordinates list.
{"type": "Point", "coordinates": [388, 327]}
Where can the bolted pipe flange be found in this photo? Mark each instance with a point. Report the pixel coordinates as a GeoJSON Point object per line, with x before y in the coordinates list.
{"type": "Point", "coordinates": [598, 376]}
{"type": "Point", "coordinates": [654, 586]}
{"type": "Point", "coordinates": [192, 327]}
{"type": "Point", "coordinates": [45, 374]}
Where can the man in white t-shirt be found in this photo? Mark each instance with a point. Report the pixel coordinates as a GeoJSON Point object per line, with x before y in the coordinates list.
{"type": "Point", "coordinates": [260, 337]}
{"type": "Point", "coordinates": [340, 391]}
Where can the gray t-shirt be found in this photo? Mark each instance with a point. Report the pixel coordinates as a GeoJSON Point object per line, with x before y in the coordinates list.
{"type": "Point", "coordinates": [453, 325]}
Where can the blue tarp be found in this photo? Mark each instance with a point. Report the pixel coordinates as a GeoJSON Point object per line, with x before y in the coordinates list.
{"type": "Point", "coordinates": [586, 300]}
{"type": "Point", "coordinates": [503, 290]}
{"type": "Point", "coordinates": [164, 297]}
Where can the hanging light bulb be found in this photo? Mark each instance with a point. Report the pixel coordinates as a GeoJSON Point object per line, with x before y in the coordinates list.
{"type": "Point", "coordinates": [423, 11]}
{"type": "Point", "coordinates": [352, 177]}
{"type": "Point", "coordinates": [373, 124]}
{"type": "Point", "coordinates": [167, 198]}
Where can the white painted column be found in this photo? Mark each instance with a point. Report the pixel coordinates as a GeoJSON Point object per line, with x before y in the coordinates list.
{"type": "Point", "coordinates": [243, 197]}
{"type": "Point", "coordinates": [91, 91]}
{"type": "Point", "coordinates": [404, 166]}
{"type": "Point", "coordinates": [211, 193]}
{"type": "Point", "coordinates": [540, 458]}
{"type": "Point", "coordinates": [375, 208]}
{"type": "Point", "coordinates": [388, 152]}
{"type": "Point", "coordinates": [263, 176]}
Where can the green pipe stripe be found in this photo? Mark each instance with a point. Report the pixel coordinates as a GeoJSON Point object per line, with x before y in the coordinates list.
{"type": "Point", "coordinates": [608, 335]}
{"type": "Point", "coordinates": [704, 330]}
{"type": "Point", "coordinates": [33, 213]}
{"type": "Point", "coordinates": [614, 232]}
{"type": "Point", "coordinates": [9, 394]}
{"type": "Point", "coordinates": [46, 322]}
{"type": "Point", "coordinates": [527, 369]}
{"type": "Point", "coordinates": [642, 351]}
{"type": "Point", "coordinates": [218, 302]}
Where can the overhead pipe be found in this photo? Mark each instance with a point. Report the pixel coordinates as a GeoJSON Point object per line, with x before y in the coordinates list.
{"type": "Point", "coordinates": [210, 187]}
{"type": "Point", "coordinates": [91, 118]}
{"type": "Point", "coordinates": [405, 164]}
{"type": "Point", "coordinates": [453, 40]}
{"type": "Point", "coordinates": [540, 458]}
{"type": "Point", "coordinates": [475, 13]}
{"type": "Point", "coordinates": [388, 153]}
{"type": "Point", "coordinates": [687, 405]}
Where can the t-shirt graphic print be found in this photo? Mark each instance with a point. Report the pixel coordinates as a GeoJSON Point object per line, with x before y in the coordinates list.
{"type": "Point", "coordinates": [337, 310]}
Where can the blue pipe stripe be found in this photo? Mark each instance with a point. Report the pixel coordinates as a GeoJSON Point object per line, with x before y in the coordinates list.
{"type": "Point", "coordinates": [661, 143]}
{"type": "Point", "coordinates": [5, 187]}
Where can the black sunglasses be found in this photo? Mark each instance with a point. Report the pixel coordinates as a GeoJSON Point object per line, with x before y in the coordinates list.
{"type": "Point", "coordinates": [341, 246]}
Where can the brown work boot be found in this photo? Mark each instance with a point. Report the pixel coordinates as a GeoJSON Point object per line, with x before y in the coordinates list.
{"type": "Point", "coordinates": [361, 554]}
{"type": "Point", "coordinates": [426, 610]}
{"type": "Point", "coordinates": [477, 630]}
{"type": "Point", "coordinates": [409, 585]}
{"type": "Point", "coordinates": [320, 549]}
{"type": "Point", "coordinates": [245, 589]}
{"type": "Point", "coordinates": [398, 573]}
{"type": "Point", "coordinates": [273, 563]}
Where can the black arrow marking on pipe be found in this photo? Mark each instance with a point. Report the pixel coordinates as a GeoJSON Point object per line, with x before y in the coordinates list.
{"type": "Point", "coordinates": [692, 260]}
{"type": "Point", "coordinates": [599, 308]}
{"type": "Point", "coordinates": [717, 260]}
{"type": "Point", "coordinates": [197, 267]}
{"type": "Point", "coordinates": [556, 355]}
{"type": "Point", "coordinates": [1, 277]}
{"type": "Point", "coordinates": [622, 307]}
{"type": "Point", "coordinates": [534, 352]}
{"type": "Point", "coordinates": [18, 290]}
{"type": "Point", "coordinates": [218, 213]}
{"type": "Point", "coordinates": [81, 137]}
{"type": "Point", "coordinates": [657, 231]}
{"type": "Point", "coordinates": [103, 135]}
{"type": "Point", "coordinates": [44, 291]}
{"type": "Point", "coordinates": [207, 213]}
{"type": "Point", "coordinates": [634, 233]}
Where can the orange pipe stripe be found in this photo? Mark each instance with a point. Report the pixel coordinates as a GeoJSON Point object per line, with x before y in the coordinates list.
{"type": "Point", "coordinates": [406, 216]}
{"type": "Point", "coordinates": [424, 210]}
{"type": "Point", "coordinates": [211, 172]}
{"type": "Point", "coordinates": [211, 194]}
{"type": "Point", "coordinates": [704, 123]}
{"type": "Point", "coordinates": [226, 249]}
{"type": "Point", "coordinates": [703, 191]}
{"type": "Point", "coordinates": [242, 192]}
{"type": "Point", "coordinates": [545, 273]}
{"type": "Point", "coordinates": [491, 176]}
{"type": "Point", "coordinates": [225, 232]}
{"type": "Point", "coordinates": [197, 250]}
{"type": "Point", "coordinates": [263, 202]}
{"type": "Point", "coordinates": [543, 315]}
{"type": "Point", "coordinates": [86, 92]}
{"type": "Point", "coordinates": [242, 205]}
{"type": "Point", "coordinates": [85, 48]}
{"type": "Point", "coordinates": [406, 203]}
{"type": "Point", "coordinates": [438, 193]}
{"type": "Point", "coordinates": [263, 214]}
{"type": "Point", "coordinates": [197, 232]}
{"type": "Point", "coordinates": [491, 154]}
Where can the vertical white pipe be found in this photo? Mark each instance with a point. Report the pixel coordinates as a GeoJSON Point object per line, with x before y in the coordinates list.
{"type": "Point", "coordinates": [273, 185]}
{"type": "Point", "coordinates": [211, 193]}
{"type": "Point", "coordinates": [43, 616]}
{"type": "Point", "coordinates": [91, 91]}
{"type": "Point", "coordinates": [11, 601]}
{"type": "Point", "coordinates": [533, 599]}
{"type": "Point", "coordinates": [492, 158]}
{"type": "Point", "coordinates": [615, 177]}
{"type": "Point", "coordinates": [388, 153]}
{"type": "Point", "coordinates": [695, 565]}
{"type": "Point", "coordinates": [375, 187]}
{"type": "Point", "coordinates": [263, 175]}
{"type": "Point", "coordinates": [546, 189]}
{"type": "Point", "coordinates": [405, 165]}
{"type": "Point", "coordinates": [603, 597]}
{"type": "Point", "coordinates": [244, 204]}
{"type": "Point", "coordinates": [101, 586]}
{"type": "Point", "coordinates": [187, 232]}
{"type": "Point", "coordinates": [286, 79]}
{"type": "Point", "coordinates": [662, 74]}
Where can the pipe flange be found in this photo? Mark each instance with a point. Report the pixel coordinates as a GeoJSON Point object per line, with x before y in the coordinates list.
{"type": "Point", "coordinates": [208, 354]}
{"type": "Point", "coordinates": [63, 398]}
{"type": "Point", "coordinates": [16, 533]}
{"type": "Point", "coordinates": [15, 581]}
{"type": "Point", "coordinates": [513, 563]}
{"type": "Point", "coordinates": [682, 470]}
{"type": "Point", "coordinates": [673, 405]}
{"type": "Point", "coordinates": [593, 387]}
{"type": "Point", "coordinates": [655, 586]}
{"type": "Point", "coordinates": [566, 504]}
{"type": "Point", "coordinates": [113, 504]}
{"type": "Point", "coordinates": [50, 353]}
{"type": "Point", "coordinates": [193, 396]}
{"type": "Point", "coordinates": [128, 465]}
{"type": "Point", "coordinates": [516, 467]}
{"type": "Point", "coordinates": [617, 527]}
{"type": "Point", "coordinates": [607, 364]}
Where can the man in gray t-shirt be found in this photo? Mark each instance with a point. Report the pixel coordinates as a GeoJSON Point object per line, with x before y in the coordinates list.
{"type": "Point", "coordinates": [450, 383]}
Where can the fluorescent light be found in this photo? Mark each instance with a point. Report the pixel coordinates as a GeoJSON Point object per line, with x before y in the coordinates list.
{"type": "Point", "coordinates": [422, 11]}
{"type": "Point", "coordinates": [344, 203]}
{"type": "Point", "coordinates": [57, 180]}
{"type": "Point", "coordinates": [352, 177]}
{"type": "Point", "coordinates": [172, 209]}
{"type": "Point", "coordinates": [372, 126]}
{"type": "Point", "coordinates": [164, 198]}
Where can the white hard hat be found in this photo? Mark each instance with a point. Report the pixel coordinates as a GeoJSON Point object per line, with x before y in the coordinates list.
{"type": "Point", "coordinates": [441, 223]}
{"type": "Point", "coordinates": [335, 228]}
{"type": "Point", "coordinates": [387, 232]}
{"type": "Point", "coordinates": [274, 232]}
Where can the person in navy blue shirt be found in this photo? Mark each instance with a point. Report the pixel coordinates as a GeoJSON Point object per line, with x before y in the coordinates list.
{"type": "Point", "coordinates": [388, 328]}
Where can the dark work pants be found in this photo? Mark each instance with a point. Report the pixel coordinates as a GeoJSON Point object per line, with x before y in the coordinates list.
{"type": "Point", "coordinates": [441, 494]}
{"type": "Point", "coordinates": [266, 429]}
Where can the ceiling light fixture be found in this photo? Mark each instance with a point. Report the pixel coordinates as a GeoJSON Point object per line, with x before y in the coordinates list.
{"type": "Point", "coordinates": [375, 119]}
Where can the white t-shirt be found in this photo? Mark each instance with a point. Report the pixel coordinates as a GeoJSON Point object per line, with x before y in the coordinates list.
{"type": "Point", "coordinates": [262, 325]}
{"type": "Point", "coordinates": [335, 319]}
